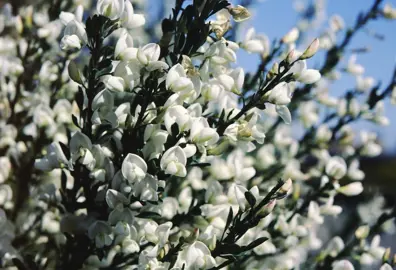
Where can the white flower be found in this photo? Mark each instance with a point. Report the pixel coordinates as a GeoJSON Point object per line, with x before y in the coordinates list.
{"type": "Point", "coordinates": [54, 158]}
{"type": "Point", "coordinates": [195, 256]}
{"type": "Point", "coordinates": [252, 44]}
{"type": "Point", "coordinates": [177, 81]}
{"type": "Point", "coordinates": [353, 68]}
{"type": "Point", "coordinates": [80, 149]}
{"type": "Point", "coordinates": [115, 198]}
{"type": "Point", "coordinates": [201, 133]}
{"type": "Point", "coordinates": [329, 208]}
{"type": "Point", "coordinates": [336, 23]}
{"type": "Point", "coordinates": [309, 113]}
{"type": "Point", "coordinates": [100, 231]}
{"type": "Point", "coordinates": [335, 245]}
{"type": "Point", "coordinates": [148, 53]}
{"type": "Point", "coordinates": [389, 11]}
{"type": "Point", "coordinates": [239, 13]}
{"type": "Point", "coordinates": [134, 168]}
{"type": "Point", "coordinates": [66, 17]}
{"type": "Point", "coordinates": [336, 167]}
{"type": "Point", "coordinates": [284, 113]}
{"type": "Point", "coordinates": [174, 161]}
{"type": "Point", "coordinates": [146, 189]}
{"type": "Point", "coordinates": [156, 138]}
{"type": "Point", "coordinates": [364, 83]}
{"type": "Point", "coordinates": [179, 115]}
{"type": "Point", "coordinates": [124, 49]}
{"type": "Point", "coordinates": [302, 74]}
{"type": "Point", "coordinates": [76, 28]}
{"type": "Point", "coordinates": [280, 94]}
{"type": "Point", "coordinates": [354, 172]}
{"type": "Point", "coordinates": [309, 76]}
{"type": "Point", "coordinates": [370, 147]}
{"type": "Point", "coordinates": [157, 234]}
{"type": "Point", "coordinates": [314, 213]}
{"type": "Point", "coordinates": [129, 19]}
{"type": "Point", "coordinates": [342, 265]}
{"type": "Point", "coordinates": [387, 266]}
{"type": "Point", "coordinates": [291, 36]}
{"type": "Point", "coordinates": [351, 189]}
{"type": "Point", "coordinates": [112, 9]}
{"type": "Point", "coordinates": [69, 43]}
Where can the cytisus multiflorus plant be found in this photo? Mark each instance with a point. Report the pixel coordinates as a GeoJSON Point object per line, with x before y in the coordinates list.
{"type": "Point", "coordinates": [133, 144]}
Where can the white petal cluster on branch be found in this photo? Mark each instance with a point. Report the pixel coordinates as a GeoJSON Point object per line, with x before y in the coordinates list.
{"type": "Point", "coordinates": [119, 150]}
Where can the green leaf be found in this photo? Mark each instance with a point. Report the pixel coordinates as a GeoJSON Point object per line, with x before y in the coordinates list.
{"type": "Point", "coordinates": [80, 98]}
{"type": "Point", "coordinates": [250, 198]}
{"type": "Point", "coordinates": [148, 215]}
{"type": "Point", "coordinates": [75, 121]}
{"type": "Point", "coordinates": [229, 220]}
{"type": "Point", "coordinates": [65, 150]}
{"type": "Point", "coordinates": [63, 180]}
{"type": "Point", "coordinates": [255, 243]}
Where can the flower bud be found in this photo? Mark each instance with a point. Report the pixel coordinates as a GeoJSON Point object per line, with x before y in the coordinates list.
{"type": "Point", "coordinates": [74, 72]}
{"type": "Point", "coordinates": [286, 186]}
{"type": "Point", "coordinates": [29, 16]}
{"type": "Point", "coordinates": [19, 24]}
{"type": "Point", "coordinates": [386, 255]}
{"type": "Point", "coordinates": [311, 50]}
{"type": "Point", "coordinates": [389, 12]}
{"type": "Point", "coordinates": [266, 209]}
{"type": "Point", "coordinates": [273, 71]}
{"type": "Point", "coordinates": [290, 57]}
{"type": "Point", "coordinates": [362, 232]}
{"type": "Point", "coordinates": [239, 13]}
{"type": "Point", "coordinates": [219, 149]}
{"type": "Point", "coordinates": [336, 23]}
{"type": "Point", "coordinates": [193, 236]}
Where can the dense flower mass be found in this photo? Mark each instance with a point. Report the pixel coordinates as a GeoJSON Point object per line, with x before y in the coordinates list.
{"type": "Point", "coordinates": [130, 145]}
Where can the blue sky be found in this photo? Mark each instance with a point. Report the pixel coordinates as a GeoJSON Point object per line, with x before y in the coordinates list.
{"type": "Point", "coordinates": [277, 17]}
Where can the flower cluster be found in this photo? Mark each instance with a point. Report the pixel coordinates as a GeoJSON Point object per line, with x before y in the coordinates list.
{"type": "Point", "coordinates": [123, 154]}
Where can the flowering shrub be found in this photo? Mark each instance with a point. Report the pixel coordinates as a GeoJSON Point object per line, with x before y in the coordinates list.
{"type": "Point", "coordinates": [117, 153]}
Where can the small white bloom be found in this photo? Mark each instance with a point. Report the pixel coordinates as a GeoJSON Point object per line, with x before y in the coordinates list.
{"type": "Point", "coordinates": [336, 167]}
{"type": "Point", "coordinates": [101, 232]}
{"type": "Point", "coordinates": [351, 189]}
{"type": "Point", "coordinates": [195, 256]}
{"type": "Point", "coordinates": [112, 9]}
{"type": "Point", "coordinates": [76, 28]}
{"type": "Point", "coordinates": [177, 80]}
{"type": "Point", "coordinates": [129, 19]}
{"type": "Point", "coordinates": [174, 161]}
{"type": "Point", "coordinates": [343, 265]}
{"type": "Point", "coordinates": [179, 115]}
{"type": "Point", "coordinates": [364, 83]}
{"type": "Point", "coordinates": [354, 68]}
{"type": "Point", "coordinates": [134, 168]}
{"type": "Point", "coordinates": [280, 94]}
{"type": "Point", "coordinates": [69, 43]}
{"type": "Point", "coordinates": [291, 36]}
